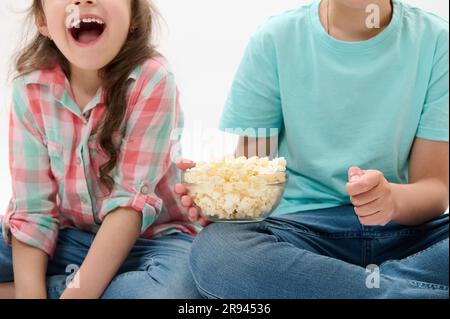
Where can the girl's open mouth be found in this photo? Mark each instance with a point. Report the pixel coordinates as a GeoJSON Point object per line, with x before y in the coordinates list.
{"type": "Point", "coordinates": [88, 30]}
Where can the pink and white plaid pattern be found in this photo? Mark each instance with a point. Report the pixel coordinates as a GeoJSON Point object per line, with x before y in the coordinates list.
{"type": "Point", "coordinates": [55, 158]}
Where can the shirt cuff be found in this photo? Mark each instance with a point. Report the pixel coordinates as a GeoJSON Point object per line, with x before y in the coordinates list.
{"type": "Point", "coordinates": [140, 200]}
{"type": "Point", "coordinates": [432, 134]}
{"type": "Point", "coordinates": [36, 230]}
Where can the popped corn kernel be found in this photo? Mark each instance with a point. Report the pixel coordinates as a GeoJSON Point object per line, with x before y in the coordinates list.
{"type": "Point", "coordinates": [237, 188]}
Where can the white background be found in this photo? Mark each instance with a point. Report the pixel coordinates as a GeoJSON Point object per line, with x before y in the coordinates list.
{"type": "Point", "coordinates": [204, 41]}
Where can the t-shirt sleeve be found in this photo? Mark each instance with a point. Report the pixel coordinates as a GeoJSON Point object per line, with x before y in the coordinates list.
{"type": "Point", "coordinates": [434, 120]}
{"type": "Point", "coordinates": [253, 107]}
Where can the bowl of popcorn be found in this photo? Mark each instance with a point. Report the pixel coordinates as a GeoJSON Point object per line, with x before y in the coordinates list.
{"type": "Point", "coordinates": [237, 189]}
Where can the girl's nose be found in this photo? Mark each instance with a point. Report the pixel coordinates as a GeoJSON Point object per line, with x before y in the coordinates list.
{"type": "Point", "coordinates": [84, 2]}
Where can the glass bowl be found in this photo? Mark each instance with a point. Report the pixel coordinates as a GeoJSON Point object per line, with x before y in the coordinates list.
{"type": "Point", "coordinates": [236, 202]}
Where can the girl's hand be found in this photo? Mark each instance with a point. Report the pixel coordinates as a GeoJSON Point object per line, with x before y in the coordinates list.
{"type": "Point", "coordinates": [371, 194]}
{"type": "Point", "coordinates": [192, 211]}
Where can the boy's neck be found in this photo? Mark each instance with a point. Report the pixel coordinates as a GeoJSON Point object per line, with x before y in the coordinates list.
{"type": "Point", "coordinates": [350, 24]}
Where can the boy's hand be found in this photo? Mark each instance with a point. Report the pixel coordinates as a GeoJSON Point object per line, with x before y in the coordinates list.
{"type": "Point", "coordinates": [371, 195]}
{"type": "Point", "coordinates": [193, 212]}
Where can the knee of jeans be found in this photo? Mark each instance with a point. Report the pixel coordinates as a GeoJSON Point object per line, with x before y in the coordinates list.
{"type": "Point", "coordinates": [216, 246]}
{"type": "Point", "coordinates": [206, 242]}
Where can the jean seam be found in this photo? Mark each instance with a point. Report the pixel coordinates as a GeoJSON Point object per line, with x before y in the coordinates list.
{"type": "Point", "coordinates": [199, 287]}
{"type": "Point", "coordinates": [369, 253]}
{"type": "Point", "coordinates": [204, 291]}
{"type": "Point", "coordinates": [125, 274]}
{"type": "Point", "coordinates": [413, 255]}
{"type": "Point", "coordinates": [364, 251]}
{"type": "Point", "coordinates": [356, 234]}
{"type": "Point", "coordinates": [427, 285]}
{"type": "Point", "coordinates": [343, 235]}
{"type": "Point", "coordinates": [363, 233]}
{"type": "Point", "coordinates": [58, 288]}
{"type": "Point", "coordinates": [401, 233]}
{"type": "Point", "coordinates": [55, 288]}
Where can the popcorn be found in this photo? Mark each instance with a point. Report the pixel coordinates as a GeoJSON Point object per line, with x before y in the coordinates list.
{"type": "Point", "coordinates": [237, 188]}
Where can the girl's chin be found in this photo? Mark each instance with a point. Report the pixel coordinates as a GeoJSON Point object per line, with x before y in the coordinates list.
{"type": "Point", "coordinates": [89, 58]}
{"type": "Point", "coordinates": [88, 64]}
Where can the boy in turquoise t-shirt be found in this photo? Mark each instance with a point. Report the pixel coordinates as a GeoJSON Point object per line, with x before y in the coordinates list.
{"type": "Point", "coordinates": [362, 119]}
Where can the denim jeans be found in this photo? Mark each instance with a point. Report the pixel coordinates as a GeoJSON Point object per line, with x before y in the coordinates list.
{"type": "Point", "coordinates": [325, 254]}
{"type": "Point", "coordinates": [154, 269]}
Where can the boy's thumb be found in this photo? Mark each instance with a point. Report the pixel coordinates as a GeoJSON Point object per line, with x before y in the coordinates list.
{"type": "Point", "coordinates": [354, 173]}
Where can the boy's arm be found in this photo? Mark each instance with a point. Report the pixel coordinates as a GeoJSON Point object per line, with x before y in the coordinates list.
{"type": "Point", "coordinates": [30, 267]}
{"type": "Point", "coordinates": [378, 202]}
{"type": "Point", "coordinates": [423, 199]}
{"type": "Point", "coordinates": [426, 195]}
{"type": "Point", "coordinates": [111, 246]}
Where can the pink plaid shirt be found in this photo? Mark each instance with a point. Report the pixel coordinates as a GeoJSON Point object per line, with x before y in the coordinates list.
{"type": "Point", "coordinates": [55, 158]}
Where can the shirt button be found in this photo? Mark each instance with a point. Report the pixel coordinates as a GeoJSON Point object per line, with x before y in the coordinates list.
{"type": "Point", "coordinates": [84, 200]}
{"type": "Point", "coordinates": [79, 161]}
{"type": "Point", "coordinates": [86, 117]}
{"type": "Point", "coordinates": [144, 190]}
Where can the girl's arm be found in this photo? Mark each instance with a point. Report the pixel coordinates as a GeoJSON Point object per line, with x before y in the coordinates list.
{"type": "Point", "coordinates": [31, 223]}
{"type": "Point", "coordinates": [30, 266]}
{"type": "Point", "coordinates": [111, 246]}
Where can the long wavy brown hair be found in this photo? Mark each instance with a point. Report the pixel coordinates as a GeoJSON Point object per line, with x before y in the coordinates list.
{"type": "Point", "coordinates": [41, 53]}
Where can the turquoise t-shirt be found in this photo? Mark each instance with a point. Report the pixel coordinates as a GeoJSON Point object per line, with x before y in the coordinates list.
{"type": "Point", "coordinates": [339, 104]}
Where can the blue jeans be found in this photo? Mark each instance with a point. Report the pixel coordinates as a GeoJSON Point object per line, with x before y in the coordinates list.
{"type": "Point", "coordinates": [154, 269]}
{"type": "Point", "coordinates": [325, 254]}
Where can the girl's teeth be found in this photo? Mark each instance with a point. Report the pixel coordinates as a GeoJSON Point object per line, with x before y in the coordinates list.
{"type": "Point", "coordinates": [90, 20]}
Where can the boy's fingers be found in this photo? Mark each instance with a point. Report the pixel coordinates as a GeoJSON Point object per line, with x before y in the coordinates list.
{"type": "Point", "coordinates": [185, 164]}
{"type": "Point", "coordinates": [368, 197]}
{"type": "Point", "coordinates": [354, 173]}
{"type": "Point", "coordinates": [180, 189]}
{"type": "Point", "coordinates": [373, 220]}
{"type": "Point", "coordinates": [369, 209]}
{"type": "Point", "coordinates": [365, 183]}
